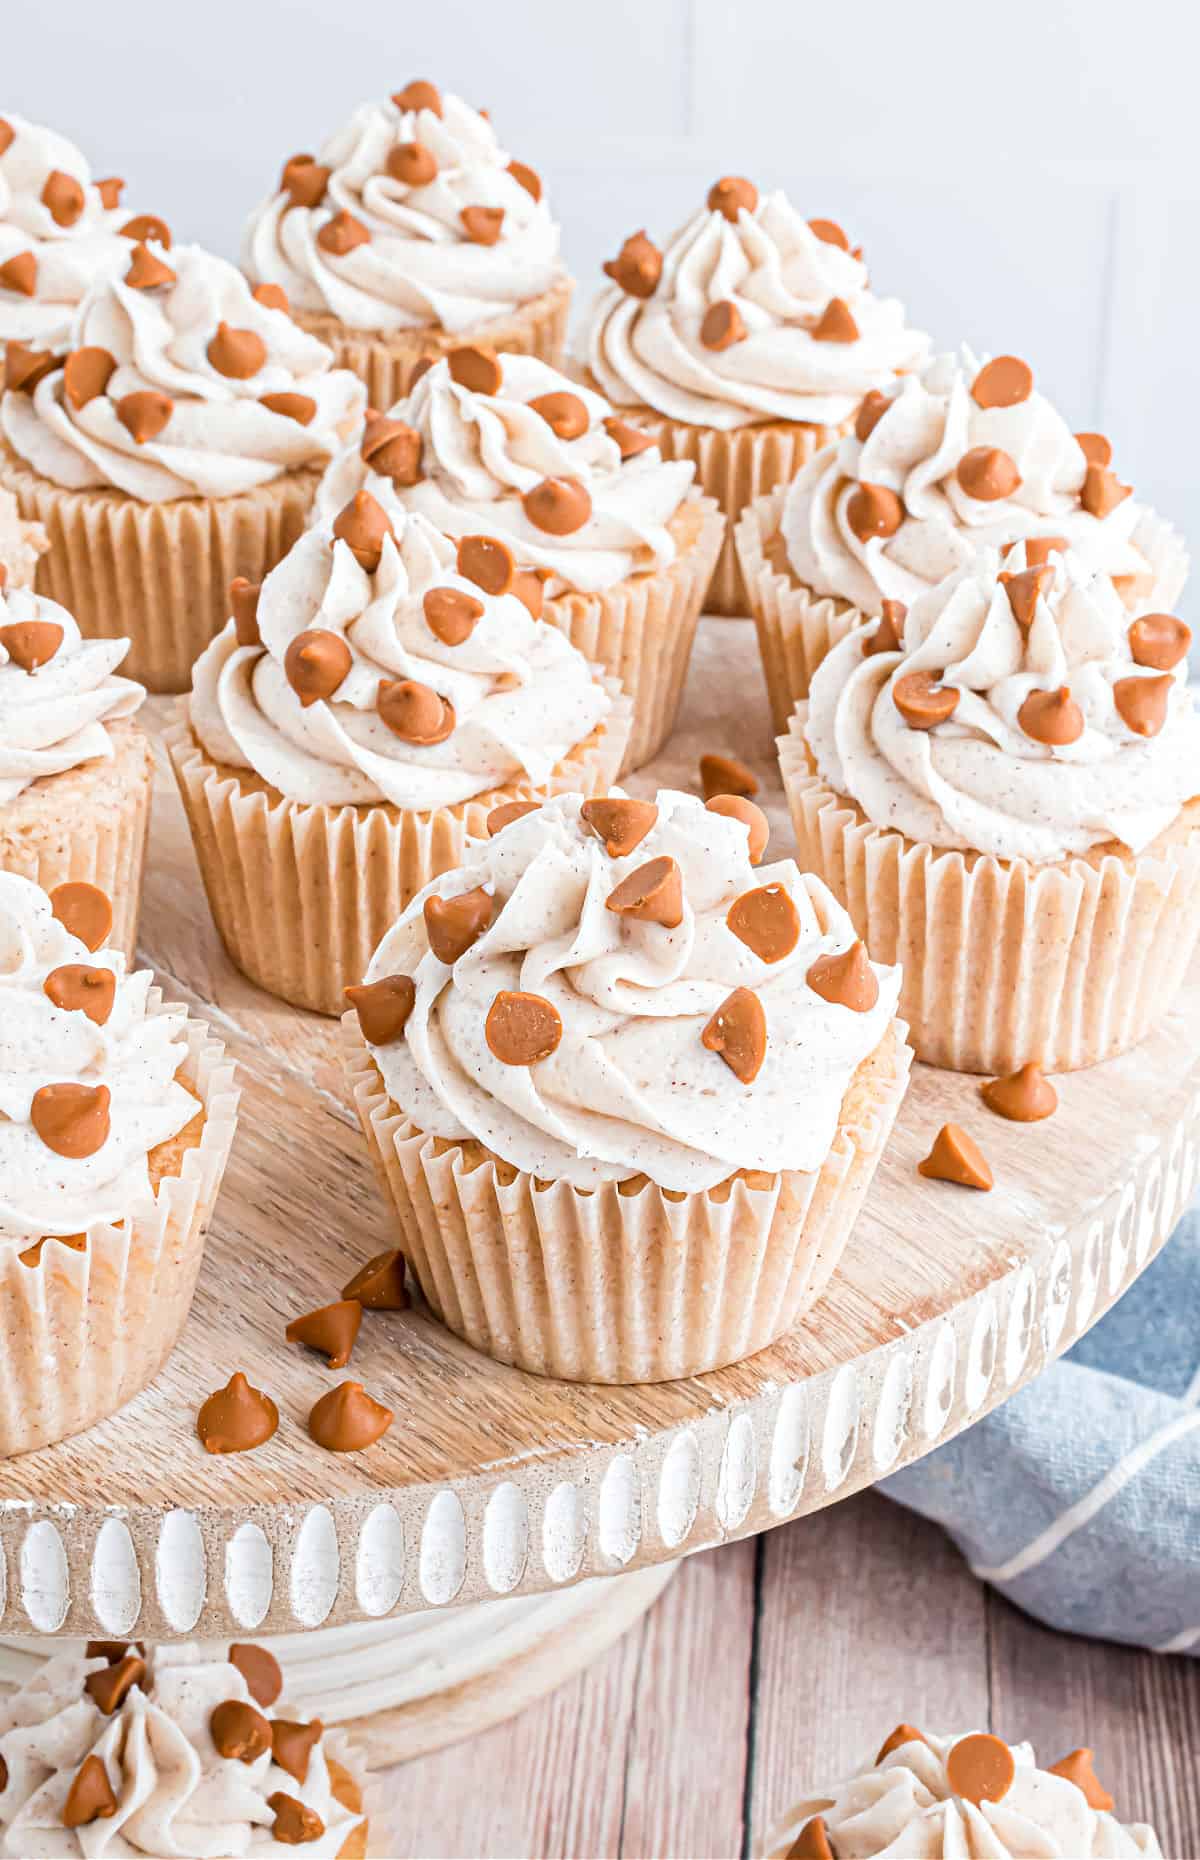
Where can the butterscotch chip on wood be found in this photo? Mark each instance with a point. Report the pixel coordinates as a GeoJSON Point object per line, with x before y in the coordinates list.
{"type": "Point", "coordinates": [987, 474]}
{"type": "Point", "coordinates": [109, 1689]}
{"type": "Point", "coordinates": [621, 823]}
{"type": "Point", "coordinates": [836, 323]}
{"type": "Point", "coordinates": [243, 604]}
{"type": "Point", "coordinates": [295, 1824]}
{"type": "Point", "coordinates": [1005, 381]}
{"type": "Point", "coordinates": [482, 225]}
{"type": "Point", "coordinates": [871, 409]}
{"type": "Point", "coordinates": [237, 1418]}
{"type": "Point", "coordinates": [521, 1028]}
{"type": "Point", "coordinates": [30, 644]}
{"type": "Point", "coordinates": [630, 440]}
{"type": "Point", "coordinates": [63, 197]}
{"type": "Point", "coordinates": [526, 177]}
{"type": "Point", "coordinates": [559, 506]}
{"type": "Point", "coordinates": [392, 448]}
{"type": "Point", "coordinates": [315, 664]}
{"type": "Point", "coordinates": [379, 1285]}
{"type": "Point", "coordinates": [895, 1740]}
{"type": "Point", "coordinates": [455, 925]}
{"type": "Point", "coordinates": [84, 911]}
{"type": "Point", "coordinates": [78, 988]}
{"type": "Point", "coordinates": [347, 1419]}
{"type": "Point", "coordinates": [144, 414]}
{"type": "Point", "coordinates": [19, 274]}
{"type": "Point", "coordinates": [766, 921]}
{"type": "Point", "coordinates": [239, 1732]}
{"type": "Point", "coordinates": [637, 267]}
{"type": "Point", "coordinates": [331, 1330]}
{"type": "Point", "coordinates": [293, 1742]}
{"type": "Point", "coordinates": [846, 979]}
{"type": "Point", "coordinates": [922, 701]}
{"type": "Point", "coordinates": [653, 894]}
{"type": "Point", "coordinates": [1141, 703]}
{"type": "Point", "coordinates": [90, 1797]}
{"type": "Point", "coordinates": [874, 510]}
{"type": "Point", "coordinates": [1025, 589]}
{"type": "Point", "coordinates": [412, 164]}
{"type": "Point", "coordinates": [812, 1842]}
{"type": "Point", "coordinates": [419, 94]}
{"type": "Point", "coordinates": [1159, 641]}
{"type": "Point", "coordinates": [86, 373]}
{"type": "Point", "coordinates": [726, 775]}
{"type": "Point", "coordinates": [299, 407]}
{"type": "Point", "coordinates": [1024, 1096]}
{"type": "Point", "coordinates": [363, 526]}
{"type": "Point", "coordinates": [148, 226]}
{"type": "Point", "coordinates": [342, 234]}
{"type": "Point", "coordinates": [146, 272]}
{"type": "Point", "coordinates": [1096, 448]}
{"type": "Point", "coordinates": [981, 1768]}
{"type": "Point", "coordinates": [956, 1157]}
{"type": "Point", "coordinates": [1077, 1768]}
{"type": "Point", "coordinates": [304, 180]}
{"type": "Point", "coordinates": [25, 367]}
{"type": "Point", "coordinates": [72, 1120]}
{"type": "Point", "coordinates": [1051, 717]}
{"type": "Point", "coordinates": [414, 712]}
{"type": "Point", "coordinates": [236, 353]}
{"type": "Point", "coordinates": [504, 815]}
{"type": "Point", "coordinates": [1102, 491]}
{"type": "Point", "coordinates": [722, 326]}
{"type": "Point", "coordinates": [478, 370]}
{"type": "Point", "coordinates": [888, 635]}
{"type": "Point", "coordinates": [383, 1008]}
{"type": "Point", "coordinates": [738, 1033]}
{"type": "Point", "coordinates": [260, 1670]}
{"type": "Point", "coordinates": [487, 562]}
{"type": "Point", "coordinates": [732, 195]}
{"type": "Point", "coordinates": [737, 807]}
{"type": "Point", "coordinates": [564, 413]}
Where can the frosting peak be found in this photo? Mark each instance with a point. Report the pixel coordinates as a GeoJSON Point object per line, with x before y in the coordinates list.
{"type": "Point", "coordinates": [57, 691]}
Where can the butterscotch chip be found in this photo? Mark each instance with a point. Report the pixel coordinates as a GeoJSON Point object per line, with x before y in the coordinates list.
{"type": "Point", "coordinates": [383, 1009]}
{"type": "Point", "coordinates": [738, 1032]}
{"type": "Point", "coordinates": [653, 894]}
{"type": "Point", "coordinates": [19, 273]}
{"type": "Point", "coordinates": [63, 197]}
{"type": "Point", "coordinates": [243, 604]}
{"type": "Point", "coordinates": [86, 373]}
{"type": "Point", "coordinates": [299, 407]}
{"type": "Point", "coordinates": [981, 1768]}
{"type": "Point", "coordinates": [379, 1285]}
{"type": "Point", "coordinates": [363, 526]}
{"type": "Point", "coordinates": [487, 562]}
{"type": "Point", "coordinates": [1141, 703]}
{"type": "Point", "coordinates": [737, 807]}
{"type": "Point", "coordinates": [342, 234]}
{"type": "Point", "coordinates": [239, 1732]}
{"type": "Point", "coordinates": [148, 226]}
{"type": "Point", "coordinates": [1096, 448]}
{"type": "Point", "coordinates": [630, 440]}
{"type": "Point", "coordinates": [873, 510]}
{"type": "Point", "coordinates": [846, 979]}
{"type": "Point", "coordinates": [812, 1842]}
{"type": "Point", "coordinates": [478, 370]}
{"type": "Point", "coordinates": [732, 195]}
{"type": "Point", "coordinates": [871, 409]}
{"type": "Point", "coordinates": [260, 1670]}
{"type": "Point", "coordinates": [1077, 1769]}
{"type": "Point", "coordinates": [109, 1689]}
{"type": "Point", "coordinates": [455, 925]}
{"type": "Point", "coordinates": [955, 1157]}
{"type": "Point", "coordinates": [1025, 589]}
{"type": "Point", "coordinates": [1005, 381]}
{"type": "Point", "coordinates": [621, 823]}
{"type": "Point", "coordinates": [90, 1797]}
{"type": "Point", "coordinates": [292, 1743]}
{"type": "Point", "coordinates": [295, 1824]}
{"type": "Point", "coordinates": [25, 367]}
{"type": "Point", "coordinates": [1024, 1096]}
{"type": "Point", "coordinates": [451, 614]}
{"type": "Point", "coordinates": [8, 136]}
{"type": "Point", "coordinates": [1051, 717]}
{"type": "Point", "coordinates": [836, 323]}
{"type": "Point", "coordinates": [144, 414]}
{"type": "Point", "coordinates": [829, 233]}
{"type": "Point", "coordinates": [1102, 491]}
{"type": "Point", "coordinates": [889, 630]}
{"type": "Point", "coordinates": [78, 988]}
{"type": "Point", "coordinates": [559, 506]}
{"type": "Point", "coordinates": [1159, 641]}
{"type": "Point", "coordinates": [412, 164]}
{"type": "Point", "coordinates": [31, 643]}
{"type": "Point", "coordinates": [922, 701]}
{"type": "Point", "coordinates": [766, 921]}
{"type": "Point", "coordinates": [903, 1734]}
{"type": "Point", "coordinates": [722, 326]}
{"type": "Point", "coordinates": [637, 267]}
{"type": "Point", "coordinates": [84, 911]}
{"type": "Point", "coordinates": [236, 353]}
{"type": "Point", "coordinates": [1039, 549]}
{"type": "Point", "coordinates": [272, 297]}
{"type": "Point", "coordinates": [111, 1650]}
{"type": "Point", "coordinates": [392, 448]}
{"type": "Point", "coordinates": [331, 1329]}
{"type": "Point", "coordinates": [237, 1418]}
{"type": "Point", "coordinates": [146, 272]}
{"type": "Point", "coordinates": [72, 1120]}
{"type": "Point", "coordinates": [414, 712]}
{"type": "Point", "coordinates": [315, 664]}
{"type": "Point", "coordinates": [565, 414]}
{"type": "Point", "coordinates": [304, 180]}
{"type": "Point", "coordinates": [420, 94]}
{"type": "Point", "coordinates": [482, 225]}
{"type": "Point", "coordinates": [726, 775]}
{"type": "Point", "coordinates": [522, 1028]}
{"type": "Point", "coordinates": [348, 1419]}
{"type": "Point", "coordinates": [526, 177]}
{"type": "Point", "coordinates": [987, 473]}
{"type": "Point", "coordinates": [503, 816]}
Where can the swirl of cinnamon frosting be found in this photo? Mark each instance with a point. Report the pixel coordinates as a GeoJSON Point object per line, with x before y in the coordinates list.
{"type": "Point", "coordinates": [210, 393]}
{"type": "Point", "coordinates": [57, 691]}
{"type": "Point", "coordinates": [1047, 735]}
{"type": "Point", "coordinates": [926, 513]}
{"type": "Point", "coordinates": [632, 1085]}
{"type": "Point", "coordinates": [174, 1795]}
{"type": "Point", "coordinates": [780, 276]}
{"type": "Point", "coordinates": [60, 256]}
{"type": "Point", "coordinates": [132, 1052]}
{"type": "Point", "coordinates": [422, 260]}
{"type": "Point", "coordinates": [484, 452]}
{"type": "Point", "coordinates": [520, 694]}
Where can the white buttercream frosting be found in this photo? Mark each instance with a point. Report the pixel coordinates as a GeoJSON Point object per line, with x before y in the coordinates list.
{"type": "Point", "coordinates": [53, 717]}
{"type": "Point", "coordinates": [69, 259]}
{"type": "Point", "coordinates": [220, 439]}
{"type": "Point", "coordinates": [781, 276]}
{"type": "Point", "coordinates": [932, 421]}
{"type": "Point", "coordinates": [177, 1797]}
{"type": "Point", "coordinates": [136, 1054]}
{"type": "Point", "coordinates": [979, 781]}
{"type": "Point", "coordinates": [419, 265]}
{"type": "Point", "coordinates": [523, 696]}
{"type": "Point", "coordinates": [480, 454]}
{"type": "Point", "coordinates": [631, 1087]}
{"type": "Point", "coordinates": [906, 1806]}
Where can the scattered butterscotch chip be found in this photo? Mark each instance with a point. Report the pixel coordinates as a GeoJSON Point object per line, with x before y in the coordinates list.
{"type": "Point", "coordinates": [148, 226]}
{"type": "Point", "coordinates": [478, 370]}
{"type": "Point", "coordinates": [379, 1285]}
{"type": "Point", "coordinates": [243, 605]}
{"type": "Point", "coordinates": [653, 894]}
{"type": "Point", "coordinates": [455, 925]}
{"type": "Point", "coordinates": [63, 197]}
{"type": "Point", "coordinates": [737, 807]}
{"type": "Point", "coordinates": [922, 701]}
{"type": "Point", "coordinates": [874, 510]}
{"type": "Point", "coordinates": [1039, 549]}
{"type": "Point", "coordinates": [90, 1797]}
{"type": "Point", "coordinates": [77, 988]}
{"type": "Point", "coordinates": [383, 1008]}
{"type": "Point", "coordinates": [981, 1768]}
{"type": "Point", "coordinates": [331, 1329]}
{"type": "Point", "coordinates": [732, 195]}
{"type": "Point", "coordinates": [144, 414]}
{"type": "Point", "coordinates": [738, 1032]}
{"type": "Point", "coordinates": [239, 1732]}
{"type": "Point", "coordinates": [25, 367]}
{"type": "Point", "coordinates": [1025, 588]}
{"type": "Point", "coordinates": [1077, 1769]}
{"type": "Point", "coordinates": [72, 1120]}
{"type": "Point", "coordinates": [30, 644]}
{"type": "Point", "coordinates": [1141, 703]}
{"type": "Point", "coordinates": [1096, 448]}
{"type": "Point", "coordinates": [315, 664]}
{"type": "Point", "coordinates": [482, 225]}
{"type": "Point", "coordinates": [846, 979]}
{"type": "Point", "coordinates": [564, 413]}
{"type": "Point", "coordinates": [955, 1157]}
{"type": "Point", "coordinates": [364, 527]}
{"type": "Point", "coordinates": [522, 1029]}
{"type": "Point", "coordinates": [19, 274]}
{"type": "Point", "coordinates": [260, 1670]}
{"type": "Point", "coordinates": [109, 1688]}
{"type": "Point", "coordinates": [1159, 641]}
{"type": "Point", "coordinates": [348, 1419]}
{"type": "Point", "coordinates": [629, 439]}
{"type": "Point", "coordinates": [835, 323]}
{"type": "Point", "coordinates": [342, 234]}
{"type": "Point", "coordinates": [1051, 717]}
{"type": "Point", "coordinates": [987, 473]}
{"type": "Point", "coordinates": [236, 353]}
{"type": "Point", "coordinates": [146, 272]}
{"type": "Point", "coordinates": [871, 409]}
{"type": "Point", "coordinates": [392, 448]}
{"type": "Point", "coordinates": [766, 921]}
{"type": "Point", "coordinates": [503, 816]}
{"type": "Point", "coordinates": [896, 1740]}
{"type": "Point", "coordinates": [412, 164]}
{"type": "Point", "coordinates": [726, 775]}
{"type": "Point", "coordinates": [637, 267]}
{"type": "Point", "coordinates": [293, 1743]}
{"type": "Point", "coordinates": [414, 712]}
{"type": "Point", "coordinates": [84, 911]}
{"type": "Point", "coordinates": [1024, 1096]}
{"type": "Point", "coordinates": [487, 562]}
{"type": "Point", "coordinates": [1005, 381]}
{"type": "Point", "coordinates": [451, 614]}
{"type": "Point", "coordinates": [8, 136]}
{"type": "Point", "coordinates": [237, 1418]}
{"type": "Point", "coordinates": [295, 1824]}
{"type": "Point", "coordinates": [272, 297]}
{"type": "Point", "coordinates": [110, 190]}
{"type": "Point", "coordinates": [722, 326]}
{"type": "Point", "coordinates": [301, 408]}
{"type": "Point", "coordinates": [304, 180]}
{"type": "Point", "coordinates": [889, 630]}
{"type": "Point", "coordinates": [620, 822]}
{"type": "Point", "coordinates": [86, 374]}
{"type": "Point", "coordinates": [812, 1842]}
{"type": "Point", "coordinates": [559, 506]}
{"type": "Point", "coordinates": [419, 94]}
{"type": "Point", "coordinates": [829, 233]}
{"type": "Point", "coordinates": [1102, 491]}
{"type": "Point", "coordinates": [526, 177]}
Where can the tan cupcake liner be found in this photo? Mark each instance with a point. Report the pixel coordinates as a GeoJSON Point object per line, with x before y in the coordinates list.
{"type": "Point", "coordinates": [641, 631]}
{"type": "Point", "coordinates": [303, 895]}
{"type": "Point", "coordinates": [1004, 961]}
{"type": "Point", "coordinates": [83, 1331]}
{"type": "Point", "coordinates": [625, 1283]}
{"type": "Point", "coordinates": [88, 823]}
{"type": "Point", "coordinates": [385, 362]}
{"type": "Point", "coordinates": [156, 574]}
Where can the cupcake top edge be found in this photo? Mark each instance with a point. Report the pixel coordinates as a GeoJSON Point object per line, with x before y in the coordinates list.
{"type": "Point", "coordinates": [58, 691]}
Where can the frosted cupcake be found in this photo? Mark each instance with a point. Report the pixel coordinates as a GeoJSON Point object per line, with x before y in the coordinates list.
{"type": "Point", "coordinates": [744, 346]}
{"type": "Point", "coordinates": [1001, 785]}
{"type": "Point", "coordinates": [114, 1752]}
{"type": "Point", "coordinates": [972, 1797]}
{"type": "Point", "coordinates": [411, 232]}
{"type": "Point", "coordinates": [116, 1117]}
{"type": "Point", "coordinates": [173, 447]}
{"type": "Point", "coordinates": [76, 773]}
{"type": "Point", "coordinates": [625, 1091]}
{"type": "Point", "coordinates": [968, 456]}
{"type": "Point", "coordinates": [356, 723]}
{"type": "Point", "coordinates": [614, 541]}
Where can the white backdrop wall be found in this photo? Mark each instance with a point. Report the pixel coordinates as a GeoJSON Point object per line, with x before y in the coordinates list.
{"type": "Point", "coordinates": [1027, 178]}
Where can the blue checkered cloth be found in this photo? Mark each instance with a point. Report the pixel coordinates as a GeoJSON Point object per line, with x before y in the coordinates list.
{"type": "Point", "coordinates": [1079, 1498]}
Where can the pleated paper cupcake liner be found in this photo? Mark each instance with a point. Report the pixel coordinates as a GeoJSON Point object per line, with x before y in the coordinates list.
{"type": "Point", "coordinates": [385, 362]}
{"type": "Point", "coordinates": [625, 1283]}
{"type": "Point", "coordinates": [88, 823]}
{"type": "Point", "coordinates": [642, 630]}
{"type": "Point", "coordinates": [82, 1331]}
{"type": "Point", "coordinates": [156, 574]}
{"type": "Point", "coordinates": [1004, 961]}
{"type": "Point", "coordinates": [303, 895]}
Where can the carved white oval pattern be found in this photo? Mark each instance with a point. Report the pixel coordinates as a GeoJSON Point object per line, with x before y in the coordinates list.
{"type": "Point", "coordinates": [679, 1489]}
{"type": "Point", "coordinates": [116, 1579]}
{"type": "Point", "coordinates": [1018, 1334]}
{"type": "Point", "coordinates": [789, 1451]}
{"type": "Point", "coordinates": [1089, 1275]}
{"type": "Point", "coordinates": [249, 1575]}
{"type": "Point", "coordinates": [941, 1369]}
{"type": "Point", "coordinates": [1058, 1297]}
{"type": "Point", "coordinates": [443, 1560]}
{"type": "Point", "coordinates": [1149, 1221]}
{"type": "Point", "coordinates": [738, 1474]}
{"type": "Point", "coordinates": [620, 1516]}
{"type": "Point", "coordinates": [564, 1532]}
{"type": "Point", "coordinates": [180, 1578]}
{"type": "Point", "coordinates": [839, 1438]}
{"type": "Point", "coordinates": [379, 1563]}
{"type": "Point", "coordinates": [1120, 1245]}
{"type": "Point", "coordinates": [894, 1412]}
{"type": "Point", "coordinates": [45, 1577]}
{"type": "Point", "coordinates": [316, 1567]}
{"type": "Point", "coordinates": [981, 1355]}
{"type": "Point", "coordinates": [505, 1538]}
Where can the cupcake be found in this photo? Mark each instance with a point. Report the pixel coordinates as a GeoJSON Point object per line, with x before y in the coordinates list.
{"type": "Point", "coordinates": [356, 723]}
{"type": "Point", "coordinates": [21, 544]}
{"type": "Point", "coordinates": [173, 446]}
{"type": "Point", "coordinates": [76, 774]}
{"type": "Point", "coordinates": [113, 1750]}
{"type": "Point", "coordinates": [1001, 785]}
{"type": "Point", "coordinates": [948, 1798]}
{"type": "Point", "coordinates": [965, 457]}
{"type": "Point", "coordinates": [116, 1117]}
{"type": "Point", "coordinates": [744, 346]}
{"type": "Point", "coordinates": [618, 540]}
{"type": "Point", "coordinates": [412, 232]}
{"type": "Point", "coordinates": [627, 1112]}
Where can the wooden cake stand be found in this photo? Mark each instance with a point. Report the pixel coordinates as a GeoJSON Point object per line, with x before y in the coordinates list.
{"type": "Point", "coordinates": [492, 1483]}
